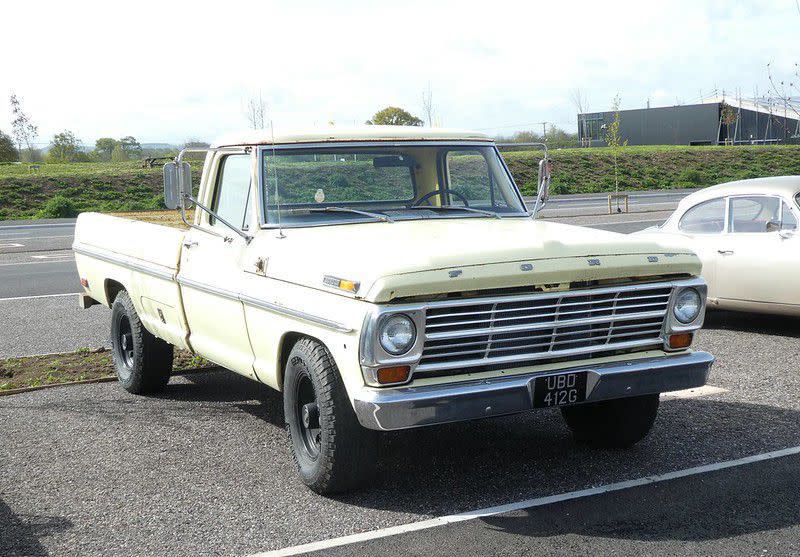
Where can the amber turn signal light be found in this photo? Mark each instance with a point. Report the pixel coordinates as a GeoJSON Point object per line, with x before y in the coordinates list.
{"type": "Point", "coordinates": [680, 340]}
{"type": "Point", "coordinates": [397, 374]}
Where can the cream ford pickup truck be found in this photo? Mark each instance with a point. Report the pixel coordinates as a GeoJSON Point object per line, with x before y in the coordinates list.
{"type": "Point", "coordinates": [385, 278]}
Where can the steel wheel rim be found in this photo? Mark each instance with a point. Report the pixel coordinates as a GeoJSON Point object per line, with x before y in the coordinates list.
{"type": "Point", "coordinates": [306, 411]}
{"type": "Point", "coordinates": [124, 342]}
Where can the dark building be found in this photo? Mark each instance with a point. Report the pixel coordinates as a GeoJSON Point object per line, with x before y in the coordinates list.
{"type": "Point", "coordinates": [710, 123]}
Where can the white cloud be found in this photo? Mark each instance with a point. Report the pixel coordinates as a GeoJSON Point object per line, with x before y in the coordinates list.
{"type": "Point", "coordinates": [165, 71]}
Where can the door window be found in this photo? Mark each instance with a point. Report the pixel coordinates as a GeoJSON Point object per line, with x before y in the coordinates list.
{"type": "Point", "coordinates": [232, 197]}
{"type": "Point", "coordinates": [755, 214]}
{"type": "Point", "coordinates": [788, 220]}
{"type": "Point", "coordinates": [706, 218]}
{"type": "Point", "coordinates": [469, 175]}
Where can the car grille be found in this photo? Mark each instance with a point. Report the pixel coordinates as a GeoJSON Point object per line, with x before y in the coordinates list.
{"type": "Point", "coordinates": [498, 333]}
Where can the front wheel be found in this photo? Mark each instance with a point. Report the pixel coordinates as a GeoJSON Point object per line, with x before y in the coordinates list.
{"type": "Point", "coordinates": [617, 423]}
{"type": "Point", "coordinates": [332, 450]}
{"type": "Point", "coordinates": [143, 362]}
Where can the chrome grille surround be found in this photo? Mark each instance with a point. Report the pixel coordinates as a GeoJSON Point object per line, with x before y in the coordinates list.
{"type": "Point", "coordinates": [516, 329]}
{"type": "Point", "coordinates": [469, 335]}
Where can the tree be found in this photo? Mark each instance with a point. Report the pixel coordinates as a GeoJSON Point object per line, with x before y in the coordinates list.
{"type": "Point", "coordinates": [428, 108]}
{"type": "Point", "coordinates": [615, 142]}
{"type": "Point", "coordinates": [8, 151]}
{"type": "Point", "coordinates": [192, 142]}
{"type": "Point", "coordinates": [581, 104]}
{"type": "Point", "coordinates": [23, 130]}
{"type": "Point", "coordinates": [131, 147]}
{"type": "Point", "coordinates": [394, 116]}
{"type": "Point", "coordinates": [103, 147]}
{"type": "Point", "coordinates": [119, 154]}
{"type": "Point", "coordinates": [65, 147]}
{"type": "Point", "coordinates": [256, 111]}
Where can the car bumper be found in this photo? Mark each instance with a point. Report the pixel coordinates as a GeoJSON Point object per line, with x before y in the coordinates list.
{"type": "Point", "coordinates": [407, 407]}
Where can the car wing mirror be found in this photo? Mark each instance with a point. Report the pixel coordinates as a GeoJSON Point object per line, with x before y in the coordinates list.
{"type": "Point", "coordinates": [176, 180]}
{"type": "Point", "coordinates": [773, 226]}
{"type": "Point", "coordinates": [543, 187]}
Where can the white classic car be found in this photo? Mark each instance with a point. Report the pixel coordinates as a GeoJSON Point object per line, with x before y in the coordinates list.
{"type": "Point", "coordinates": [386, 278]}
{"type": "Point", "coordinates": [745, 233]}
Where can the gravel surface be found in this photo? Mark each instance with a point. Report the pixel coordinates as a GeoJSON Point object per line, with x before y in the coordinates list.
{"type": "Point", "coordinates": [205, 469]}
{"type": "Point", "coordinates": [52, 324]}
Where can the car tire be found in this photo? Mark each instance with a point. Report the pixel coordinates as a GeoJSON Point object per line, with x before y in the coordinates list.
{"type": "Point", "coordinates": [143, 362]}
{"type": "Point", "coordinates": [332, 450]}
{"type": "Point", "coordinates": [616, 424]}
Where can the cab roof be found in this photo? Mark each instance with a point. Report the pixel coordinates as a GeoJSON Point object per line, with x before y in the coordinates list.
{"type": "Point", "coordinates": [343, 134]}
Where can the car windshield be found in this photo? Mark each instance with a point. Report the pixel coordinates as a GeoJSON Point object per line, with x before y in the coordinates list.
{"type": "Point", "coordinates": [386, 183]}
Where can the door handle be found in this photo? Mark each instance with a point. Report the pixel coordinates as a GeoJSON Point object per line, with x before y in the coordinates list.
{"type": "Point", "coordinates": [189, 244]}
{"type": "Point", "coordinates": [725, 251]}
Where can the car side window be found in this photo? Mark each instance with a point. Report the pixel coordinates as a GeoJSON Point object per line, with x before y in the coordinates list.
{"type": "Point", "coordinates": [788, 220]}
{"type": "Point", "coordinates": [232, 195]}
{"type": "Point", "coordinates": [470, 177]}
{"type": "Point", "coordinates": [755, 214]}
{"type": "Point", "coordinates": [705, 218]}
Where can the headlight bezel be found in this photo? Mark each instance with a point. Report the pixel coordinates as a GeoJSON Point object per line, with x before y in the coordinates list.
{"type": "Point", "coordinates": [672, 324]}
{"type": "Point", "coordinates": [374, 356]}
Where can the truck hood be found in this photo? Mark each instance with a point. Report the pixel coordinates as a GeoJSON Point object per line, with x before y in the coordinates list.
{"type": "Point", "coordinates": [425, 257]}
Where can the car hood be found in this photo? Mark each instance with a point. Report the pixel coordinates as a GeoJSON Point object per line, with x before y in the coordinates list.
{"type": "Point", "coordinates": [424, 257]}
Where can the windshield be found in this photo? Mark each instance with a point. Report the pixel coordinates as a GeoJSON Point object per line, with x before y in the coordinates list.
{"type": "Point", "coordinates": [347, 184]}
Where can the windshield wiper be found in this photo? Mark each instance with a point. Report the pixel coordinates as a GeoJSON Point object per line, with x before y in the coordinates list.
{"type": "Point", "coordinates": [333, 209]}
{"type": "Point", "coordinates": [457, 208]}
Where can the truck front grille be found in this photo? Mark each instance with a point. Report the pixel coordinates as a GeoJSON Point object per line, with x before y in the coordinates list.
{"type": "Point", "coordinates": [514, 331]}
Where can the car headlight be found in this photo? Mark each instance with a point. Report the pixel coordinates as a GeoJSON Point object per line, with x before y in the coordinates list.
{"type": "Point", "coordinates": [688, 304]}
{"type": "Point", "coordinates": [397, 334]}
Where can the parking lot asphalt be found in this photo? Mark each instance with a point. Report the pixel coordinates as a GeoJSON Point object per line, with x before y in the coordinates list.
{"type": "Point", "coordinates": [205, 469]}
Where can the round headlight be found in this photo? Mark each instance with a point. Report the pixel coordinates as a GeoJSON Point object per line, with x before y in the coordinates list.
{"type": "Point", "coordinates": [687, 305]}
{"type": "Point", "coordinates": [397, 334]}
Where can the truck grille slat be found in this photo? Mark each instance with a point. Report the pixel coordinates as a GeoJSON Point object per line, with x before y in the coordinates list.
{"type": "Point", "coordinates": [524, 330]}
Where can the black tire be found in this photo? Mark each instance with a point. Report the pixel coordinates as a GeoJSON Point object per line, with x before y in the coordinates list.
{"type": "Point", "coordinates": [613, 424]}
{"type": "Point", "coordinates": [332, 450]}
{"type": "Point", "coordinates": [143, 361]}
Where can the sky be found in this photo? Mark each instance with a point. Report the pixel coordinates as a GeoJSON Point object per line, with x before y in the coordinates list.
{"type": "Point", "coordinates": [172, 71]}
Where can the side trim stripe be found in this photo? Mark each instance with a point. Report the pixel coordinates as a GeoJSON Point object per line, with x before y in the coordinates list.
{"type": "Point", "coordinates": [162, 272]}
{"type": "Point", "coordinates": [125, 261]}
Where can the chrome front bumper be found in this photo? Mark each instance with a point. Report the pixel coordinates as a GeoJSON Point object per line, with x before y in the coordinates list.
{"type": "Point", "coordinates": [407, 407]}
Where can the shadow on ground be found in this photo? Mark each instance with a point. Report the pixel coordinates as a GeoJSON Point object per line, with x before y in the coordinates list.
{"type": "Point", "coordinates": [20, 534]}
{"type": "Point", "coordinates": [779, 325]}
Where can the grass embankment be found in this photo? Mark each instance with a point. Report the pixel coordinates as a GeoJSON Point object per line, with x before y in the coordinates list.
{"type": "Point", "coordinates": [115, 187]}
{"type": "Point", "coordinates": [83, 365]}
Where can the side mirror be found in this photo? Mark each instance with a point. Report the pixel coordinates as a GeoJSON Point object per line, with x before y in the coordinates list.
{"type": "Point", "coordinates": [176, 182]}
{"type": "Point", "coordinates": [543, 186]}
{"type": "Point", "coordinates": [773, 226]}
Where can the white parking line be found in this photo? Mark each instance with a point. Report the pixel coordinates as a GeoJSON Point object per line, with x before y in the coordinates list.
{"type": "Point", "coordinates": [538, 502]}
{"type": "Point", "coordinates": [59, 256]}
{"type": "Point", "coordinates": [705, 390]}
{"type": "Point", "coordinates": [39, 296]}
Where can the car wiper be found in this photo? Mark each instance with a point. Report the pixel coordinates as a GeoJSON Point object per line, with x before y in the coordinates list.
{"type": "Point", "coordinates": [458, 208]}
{"type": "Point", "coordinates": [332, 209]}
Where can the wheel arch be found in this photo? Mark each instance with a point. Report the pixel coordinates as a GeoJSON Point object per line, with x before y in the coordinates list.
{"type": "Point", "coordinates": [287, 342]}
{"type": "Point", "coordinates": [112, 288]}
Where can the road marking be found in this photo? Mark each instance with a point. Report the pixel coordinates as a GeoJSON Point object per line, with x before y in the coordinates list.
{"type": "Point", "coordinates": [51, 261]}
{"type": "Point", "coordinates": [59, 256]}
{"type": "Point", "coordinates": [12, 245]}
{"type": "Point", "coordinates": [706, 390]}
{"type": "Point", "coordinates": [38, 296]}
{"type": "Point", "coordinates": [538, 502]}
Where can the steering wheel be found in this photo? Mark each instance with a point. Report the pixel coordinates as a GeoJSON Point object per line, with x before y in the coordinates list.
{"type": "Point", "coordinates": [430, 194]}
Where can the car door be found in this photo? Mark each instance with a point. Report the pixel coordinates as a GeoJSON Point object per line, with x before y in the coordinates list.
{"type": "Point", "coordinates": [211, 269]}
{"type": "Point", "coordinates": [704, 225]}
{"type": "Point", "coordinates": [758, 260]}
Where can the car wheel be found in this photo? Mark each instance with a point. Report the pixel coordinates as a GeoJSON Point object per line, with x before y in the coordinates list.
{"type": "Point", "coordinates": [613, 423]}
{"type": "Point", "coordinates": [143, 362]}
{"type": "Point", "coordinates": [332, 450]}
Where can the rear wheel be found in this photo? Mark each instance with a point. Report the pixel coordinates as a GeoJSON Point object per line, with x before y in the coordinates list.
{"type": "Point", "coordinates": [612, 423]}
{"type": "Point", "coordinates": [332, 450]}
{"type": "Point", "coordinates": [143, 362]}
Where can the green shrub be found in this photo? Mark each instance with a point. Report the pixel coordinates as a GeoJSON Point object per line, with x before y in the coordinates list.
{"type": "Point", "coordinates": [57, 207]}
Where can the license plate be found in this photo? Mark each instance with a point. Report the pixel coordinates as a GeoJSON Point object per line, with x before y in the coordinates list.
{"type": "Point", "coordinates": [559, 390]}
